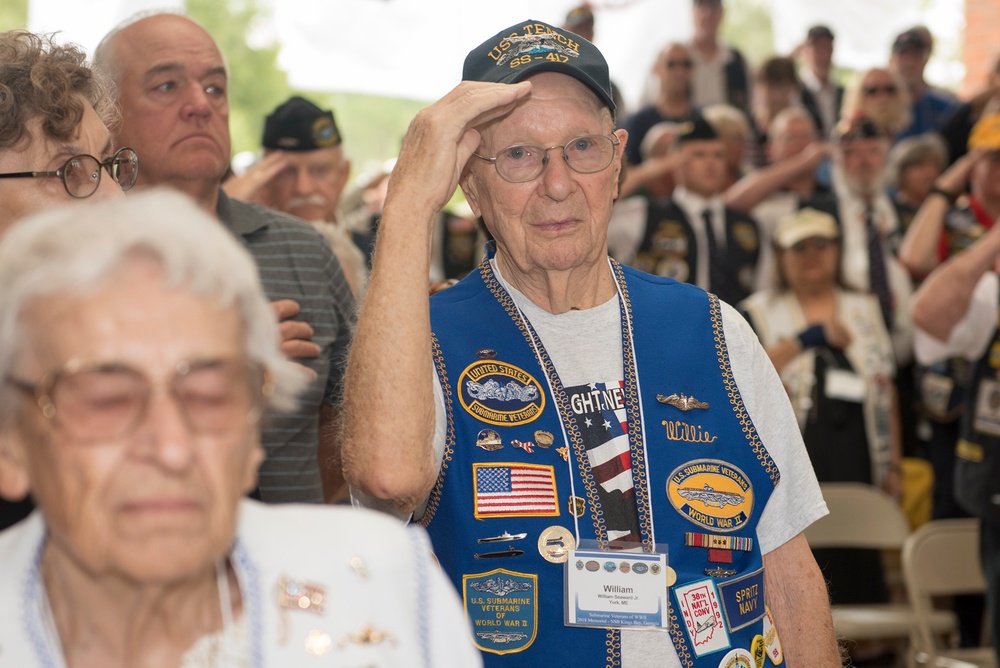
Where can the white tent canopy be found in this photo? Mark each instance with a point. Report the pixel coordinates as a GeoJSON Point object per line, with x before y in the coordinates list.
{"type": "Point", "coordinates": [415, 48]}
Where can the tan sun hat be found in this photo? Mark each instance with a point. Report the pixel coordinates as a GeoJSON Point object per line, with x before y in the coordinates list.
{"type": "Point", "coordinates": [805, 224]}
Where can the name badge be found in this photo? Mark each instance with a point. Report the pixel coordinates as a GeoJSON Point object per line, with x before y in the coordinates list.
{"type": "Point", "coordinates": [616, 589]}
{"type": "Point", "coordinates": [845, 385]}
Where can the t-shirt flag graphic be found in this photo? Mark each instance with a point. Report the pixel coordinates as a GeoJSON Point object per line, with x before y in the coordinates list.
{"type": "Point", "coordinates": [512, 490]}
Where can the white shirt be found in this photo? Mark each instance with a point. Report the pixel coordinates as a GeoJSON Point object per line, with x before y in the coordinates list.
{"type": "Point", "coordinates": [825, 95]}
{"type": "Point", "coordinates": [768, 214]}
{"type": "Point", "coordinates": [371, 571]}
{"type": "Point", "coordinates": [856, 269]}
{"type": "Point", "coordinates": [693, 207]}
{"type": "Point", "coordinates": [972, 334]}
{"type": "Point", "coordinates": [708, 78]}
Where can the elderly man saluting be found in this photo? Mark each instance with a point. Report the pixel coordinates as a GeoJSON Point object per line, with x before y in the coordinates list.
{"type": "Point", "coordinates": [554, 408]}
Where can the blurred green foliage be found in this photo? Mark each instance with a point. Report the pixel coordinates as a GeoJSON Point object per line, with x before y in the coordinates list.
{"type": "Point", "coordinates": [372, 126]}
{"type": "Point", "coordinates": [747, 25]}
{"type": "Point", "coordinates": [13, 14]}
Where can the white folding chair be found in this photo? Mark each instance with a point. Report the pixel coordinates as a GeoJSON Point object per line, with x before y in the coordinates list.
{"type": "Point", "coordinates": [941, 558]}
{"type": "Point", "coordinates": [863, 516]}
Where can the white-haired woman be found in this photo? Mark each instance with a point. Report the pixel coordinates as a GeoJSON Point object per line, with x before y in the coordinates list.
{"type": "Point", "coordinates": [138, 354]}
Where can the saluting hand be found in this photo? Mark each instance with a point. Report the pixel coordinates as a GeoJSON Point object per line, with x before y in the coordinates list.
{"type": "Point", "coordinates": [441, 139]}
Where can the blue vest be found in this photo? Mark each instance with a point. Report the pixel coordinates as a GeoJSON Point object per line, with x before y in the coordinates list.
{"type": "Point", "coordinates": [514, 464]}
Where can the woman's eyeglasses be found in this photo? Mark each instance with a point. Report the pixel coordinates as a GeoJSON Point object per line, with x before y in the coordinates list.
{"type": "Point", "coordinates": [81, 174]}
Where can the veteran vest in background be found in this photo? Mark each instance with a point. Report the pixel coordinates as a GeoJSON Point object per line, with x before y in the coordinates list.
{"type": "Point", "coordinates": [515, 491]}
{"type": "Point", "coordinates": [670, 248]}
{"type": "Point", "coordinates": [941, 387]}
{"type": "Point", "coordinates": [977, 462]}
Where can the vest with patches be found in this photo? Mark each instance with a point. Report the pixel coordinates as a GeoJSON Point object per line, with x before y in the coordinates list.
{"type": "Point", "coordinates": [941, 387]}
{"type": "Point", "coordinates": [702, 476]}
{"type": "Point", "coordinates": [977, 460]}
{"type": "Point", "coordinates": [670, 248]}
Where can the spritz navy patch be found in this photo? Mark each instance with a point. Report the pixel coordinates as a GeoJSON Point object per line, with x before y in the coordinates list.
{"type": "Point", "coordinates": [743, 600]}
{"type": "Point", "coordinates": [712, 494]}
{"type": "Point", "coordinates": [499, 393]}
{"type": "Point", "coordinates": [503, 608]}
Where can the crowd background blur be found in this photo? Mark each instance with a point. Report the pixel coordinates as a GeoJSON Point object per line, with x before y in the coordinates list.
{"type": "Point", "coordinates": [284, 48]}
{"type": "Point", "coordinates": [863, 114]}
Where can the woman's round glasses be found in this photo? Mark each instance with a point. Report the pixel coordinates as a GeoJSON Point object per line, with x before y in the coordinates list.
{"type": "Point", "coordinates": [81, 174]}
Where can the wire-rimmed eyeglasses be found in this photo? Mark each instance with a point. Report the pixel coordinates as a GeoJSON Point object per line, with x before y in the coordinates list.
{"type": "Point", "coordinates": [81, 174]}
{"type": "Point", "coordinates": [525, 162]}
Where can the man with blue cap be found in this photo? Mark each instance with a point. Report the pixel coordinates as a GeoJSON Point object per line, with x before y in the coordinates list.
{"type": "Point", "coordinates": [598, 454]}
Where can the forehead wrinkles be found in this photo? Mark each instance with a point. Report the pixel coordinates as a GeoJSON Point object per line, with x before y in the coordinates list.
{"type": "Point", "coordinates": [169, 41]}
{"type": "Point", "coordinates": [532, 122]}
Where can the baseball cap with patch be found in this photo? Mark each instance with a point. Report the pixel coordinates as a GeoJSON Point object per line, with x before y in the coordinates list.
{"type": "Point", "coordinates": [695, 128]}
{"type": "Point", "coordinates": [530, 47]}
{"type": "Point", "coordinates": [299, 125]}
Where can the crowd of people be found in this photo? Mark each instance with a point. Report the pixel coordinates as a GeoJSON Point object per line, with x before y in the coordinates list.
{"type": "Point", "coordinates": [682, 318]}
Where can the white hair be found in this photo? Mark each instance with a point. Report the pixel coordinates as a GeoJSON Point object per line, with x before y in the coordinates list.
{"type": "Point", "coordinates": [69, 250]}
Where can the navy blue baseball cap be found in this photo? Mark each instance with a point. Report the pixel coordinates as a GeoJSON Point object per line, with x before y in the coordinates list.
{"type": "Point", "coordinates": [299, 125]}
{"type": "Point", "coordinates": [695, 128]}
{"type": "Point", "coordinates": [530, 47]}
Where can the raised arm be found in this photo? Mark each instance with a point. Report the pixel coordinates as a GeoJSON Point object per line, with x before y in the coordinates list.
{"type": "Point", "coordinates": [388, 389]}
{"type": "Point", "coordinates": [753, 188]}
{"type": "Point", "coordinates": [919, 250]}
{"type": "Point", "coordinates": [250, 186]}
{"type": "Point", "coordinates": [944, 297]}
{"type": "Point", "coordinates": [646, 172]}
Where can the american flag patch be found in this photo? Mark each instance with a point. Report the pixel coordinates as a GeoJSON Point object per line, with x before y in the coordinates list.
{"type": "Point", "coordinates": [513, 490]}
